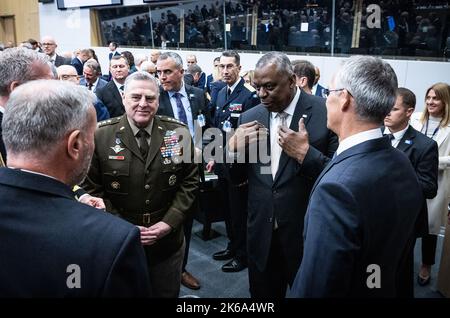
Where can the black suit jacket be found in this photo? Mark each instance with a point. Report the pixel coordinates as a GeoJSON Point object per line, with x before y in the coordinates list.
{"type": "Point", "coordinates": [361, 213]}
{"type": "Point", "coordinates": [424, 157]}
{"type": "Point", "coordinates": [196, 97]}
{"type": "Point", "coordinates": [59, 60]}
{"type": "Point", "coordinates": [47, 230]}
{"type": "Point", "coordinates": [78, 65]}
{"type": "Point", "coordinates": [286, 197]}
{"type": "Point", "coordinates": [111, 97]}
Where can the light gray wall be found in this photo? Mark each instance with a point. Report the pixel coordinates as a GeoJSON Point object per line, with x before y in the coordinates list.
{"type": "Point", "coordinates": [71, 29]}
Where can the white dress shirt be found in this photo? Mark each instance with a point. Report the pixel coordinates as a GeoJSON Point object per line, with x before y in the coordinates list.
{"type": "Point", "coordinates": [357, 139]}
{"type": "Point", "coordinates": [275, 122]}
{"type": "Point", "coordinates": [397, 135]}
{"type": "Point", "coordinates": [186, 105]}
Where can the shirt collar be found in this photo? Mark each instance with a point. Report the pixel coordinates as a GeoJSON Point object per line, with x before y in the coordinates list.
{"type": "Point", "coordinates": [135, 129]}
{"type": "Point", "coordinates": [2, 109]}
{"type": "Point", "coordinates": [118, 85]}
{"type": "Point", "coordinates": [232, 87]}
{"type": "Point", "coordinates": [291, 108]}
{"type": "Point", "coordinates": [358, 138]}
{"type": "Point", "coordinates": [182, 91]}
{"type": "Point", "coordinates": [397, 135]}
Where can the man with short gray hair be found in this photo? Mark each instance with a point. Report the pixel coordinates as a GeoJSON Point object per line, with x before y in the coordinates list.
{"type": "Point", "coordinates": [362, 210]}
{"type": "Point", "coordinates": [137, 171]}
{"type": "Point", "coordinates": [18, 66]}
{"type": "Point", "coordinates": [50, 141]}
{"type": "Point", "coordinates": [92, 72]}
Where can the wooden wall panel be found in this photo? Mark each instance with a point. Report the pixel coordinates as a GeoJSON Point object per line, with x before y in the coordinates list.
{"type": "Point", "coordinates": [26, 16]}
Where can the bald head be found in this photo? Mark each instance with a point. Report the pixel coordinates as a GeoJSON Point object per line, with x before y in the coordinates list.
{"type": "Point", "coordinates": [49, 45]}
{"type": "Point", "coordinates": [154, 55]}
{"type": "Point", "coordinates": [67, 73]}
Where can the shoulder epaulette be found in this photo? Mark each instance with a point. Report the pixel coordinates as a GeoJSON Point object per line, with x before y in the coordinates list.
{"type": "Point", "coordinates": [170, 120]}
{"type": "Point", "coordinates": [249, 87]}
{"type": "Point", "coordinates": [110, 121]}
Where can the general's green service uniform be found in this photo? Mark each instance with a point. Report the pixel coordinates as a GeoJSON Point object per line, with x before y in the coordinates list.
{"type": "Point", "coordinates": [144, 192]}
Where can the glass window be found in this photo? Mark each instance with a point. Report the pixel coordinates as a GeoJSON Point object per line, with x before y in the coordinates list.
{"type": "Point", "coordinates": [387, 27]}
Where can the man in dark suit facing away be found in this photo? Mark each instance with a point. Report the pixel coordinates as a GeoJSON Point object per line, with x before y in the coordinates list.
{"type": "Point", "coordinates": [364, 205]}
{"type": "Point", "coordinates": [300, 145]}
{"type": "Point", "coordinates": [424, 156]}
{"type": "Point", "coordinates": [53, 246]}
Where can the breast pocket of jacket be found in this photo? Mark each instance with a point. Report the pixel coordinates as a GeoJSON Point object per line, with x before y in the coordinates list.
{"type": "Point", "coordinates": [171, 177]}
{"type": "Point", "coordinates": [116, 176]}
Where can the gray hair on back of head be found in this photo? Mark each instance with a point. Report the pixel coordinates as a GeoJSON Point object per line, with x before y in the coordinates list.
{"type": "Point", "coordinates": [141, 76]}
{"type": "Point", "coordinates": [282, 62]}
{"type": "Point", "coordinates": [36, 123]}
{"type": "Point", "coordinates": [16, 66]}
{"type": "Point", "coordinates": [372, 83]}
{"type": "Point", "coordinates": [175, 56]}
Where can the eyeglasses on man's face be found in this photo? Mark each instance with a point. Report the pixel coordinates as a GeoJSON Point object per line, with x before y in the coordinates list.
{"type": "Point", "coordinates": [326, 91]}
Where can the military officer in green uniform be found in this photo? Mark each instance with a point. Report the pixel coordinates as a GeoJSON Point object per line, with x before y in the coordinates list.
{"type": "Point", "coordinates": [146, 174]}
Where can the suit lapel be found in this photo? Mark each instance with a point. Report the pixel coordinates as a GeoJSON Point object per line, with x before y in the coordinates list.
{"type": "Point", "coordinates": [235, 92]}
{"type": "Point", "coordinates": [192, 101]}
{"type": "Point", "coordinates": [442, 135]}
{"type": "Point", "coordinates": [116, 93]}
{"type": "Point", "coordinates": [263, 117]}
{"type": "Point", "coordinates": [165, 105]}
{"type": "Point", "coordinates": [303, 109]}
{"type": "Point", "coordinates": [156, 140]}
{"type": "Point", "coordinates": [125, 134]}
{"type": "Point", "coordinates": [406, 140]}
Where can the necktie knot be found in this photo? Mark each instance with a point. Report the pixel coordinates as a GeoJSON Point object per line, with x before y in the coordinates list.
{"type": "Point", "coordinates": [90, 86]}
{"type": "Point", "coordinates": [122, 88]}
{"type": "Point", "coordinates": [283, 118]}
{"type": "Point", "coordinates": [229, 92]}
{"type": "Point", "coordinates": [390, 136]}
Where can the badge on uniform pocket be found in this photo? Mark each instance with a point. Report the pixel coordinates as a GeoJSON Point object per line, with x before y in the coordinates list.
{"type": "Point", "coordinates": [172, 180]}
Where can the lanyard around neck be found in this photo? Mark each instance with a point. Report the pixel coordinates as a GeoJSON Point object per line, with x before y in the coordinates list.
{"type": "Point", "coordinates": [426, 130]}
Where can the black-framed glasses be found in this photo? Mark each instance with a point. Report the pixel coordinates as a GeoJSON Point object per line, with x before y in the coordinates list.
{"type": "Point", "coordinates": [326, 91]}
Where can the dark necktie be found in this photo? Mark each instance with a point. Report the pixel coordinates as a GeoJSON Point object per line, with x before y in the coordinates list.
{"type": "Point", "coordinates": [90, 86]}
{"type": "Point", "coordinates": [122, 88]}
{"type": "Point", "coordinates": [390, 136]}
{"type": "Point", "coordinates": [143, 144]}
{"type": "Point", "coordinates": [228, 92]}
{"type": "Point", "coordinates": [181, 112]}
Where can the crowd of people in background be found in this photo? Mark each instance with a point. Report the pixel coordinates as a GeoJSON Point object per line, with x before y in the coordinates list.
{"type": "Point", "coordinates": [405, 28]}
{"type": "Point", "coordinates": [323, 146]}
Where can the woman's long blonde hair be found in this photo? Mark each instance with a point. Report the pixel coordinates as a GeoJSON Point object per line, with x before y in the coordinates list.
{"type": "Point", "coordinates": [442, 91]}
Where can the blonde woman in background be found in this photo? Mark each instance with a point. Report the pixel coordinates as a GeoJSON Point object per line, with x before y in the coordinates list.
{"type": "Point", "coordinates": [248, 77]}
{"type": "Point", "coordinates": [434, 122]}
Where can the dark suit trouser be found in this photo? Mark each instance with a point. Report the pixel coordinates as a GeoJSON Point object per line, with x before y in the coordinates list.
{"type": "Point", "coordinates": [187, 228]}
{"type": "Point", "coordinates": [272, 282]}
{"type": "Point", "coordinates": [429, 243]}
{"type": "Point", "coordinates": [235, 215]}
